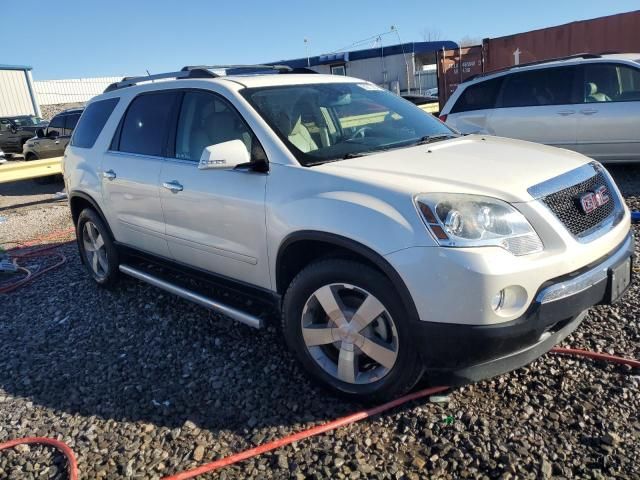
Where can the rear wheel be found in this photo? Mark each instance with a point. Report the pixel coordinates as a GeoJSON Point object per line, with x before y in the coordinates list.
{"type": "Point", "coordinates": [97, 249]}
{"type": "Point", "coordinates": [347, 325]}
{"type": "Point", "coordinates": [31, 156]}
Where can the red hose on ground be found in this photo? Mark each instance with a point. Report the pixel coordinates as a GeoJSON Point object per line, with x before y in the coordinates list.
{"type": "Point", "coordinates": [275, 444]}
{"type": "Point", "coordinates": [597, 356]}
{"type": "Point", "coordinates": [72, 466]}
{"type": "Point", "coordinates": [281, 442]}
{"type": "Point", "coordinates": [25, 250]}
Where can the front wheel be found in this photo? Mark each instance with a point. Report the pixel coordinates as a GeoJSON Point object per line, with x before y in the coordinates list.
{"type": "Point", "coordinates": [97, 250]}
{"type": "Point", "coordinates": [346, 324]}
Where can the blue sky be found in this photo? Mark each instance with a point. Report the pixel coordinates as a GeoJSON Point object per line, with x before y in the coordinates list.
{"type": "Point", "coordinates": [84, 38]}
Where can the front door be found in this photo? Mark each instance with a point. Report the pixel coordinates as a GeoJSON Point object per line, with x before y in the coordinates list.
{"type": "Point", "coordinates": [609, 115]}
{"type": "Point", "coordinates": [9, 137]}
{"type": "Point", "coordinates": [131, 171]}
{"type": "Point", "coordinates": [215, 219]}
{"type": "Point", "coordinates": [538, 106]}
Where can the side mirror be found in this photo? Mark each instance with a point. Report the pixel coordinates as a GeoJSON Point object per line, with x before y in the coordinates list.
{"type": "Point", "coordinates": [224, 156]}
{"type": "Point", "coordinates": [14, 128]}
{"type": "Point", "coordinates": [40, 133]}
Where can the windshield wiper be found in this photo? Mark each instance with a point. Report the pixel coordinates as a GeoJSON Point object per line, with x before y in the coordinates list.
{"type": "Point", "coordinates": [434, 138]}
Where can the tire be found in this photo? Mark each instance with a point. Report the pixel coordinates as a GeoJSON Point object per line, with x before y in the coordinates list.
{"type": "Point", "coordinates": [338, 357]}
{"type": "Point", "coordinates": [30, 156]}
{"type": "Point", "coordinates": [103, 265]}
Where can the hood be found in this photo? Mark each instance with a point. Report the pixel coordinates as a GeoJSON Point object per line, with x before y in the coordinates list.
{"type": "Point", "coordinates": [482, 165]}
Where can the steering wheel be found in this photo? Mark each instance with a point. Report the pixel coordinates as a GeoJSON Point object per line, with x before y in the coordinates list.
{"type": "Point", "coordinates": [361, 133]}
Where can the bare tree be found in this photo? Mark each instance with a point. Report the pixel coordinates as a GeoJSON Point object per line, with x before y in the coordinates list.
{"type": "Point", "coordinates": [468, 41]}
{"type": "Point", "coordinates": [431, 34]}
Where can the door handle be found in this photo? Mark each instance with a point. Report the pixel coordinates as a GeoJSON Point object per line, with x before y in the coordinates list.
{"type": "Point", "coordinates": [57, 142]}
{"type": "Point", "coordinates": [173, 185]}
{"type": "Point", "coordinates": [588, 111]}
{"type": "Point", "coordinates": [109, 174]}
{"type": "Point", "coordinates": [564, 113]}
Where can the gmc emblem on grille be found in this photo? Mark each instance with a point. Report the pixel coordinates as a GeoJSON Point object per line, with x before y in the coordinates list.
{"type": "Point", "coordinates": [592, 200]}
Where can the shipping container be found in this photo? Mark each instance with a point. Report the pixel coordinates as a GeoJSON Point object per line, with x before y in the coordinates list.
{"type": "Point", "coordinates": [615, 33]}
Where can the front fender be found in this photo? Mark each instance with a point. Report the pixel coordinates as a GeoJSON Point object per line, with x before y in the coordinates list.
{"type": "Point", "coordinates": [303, 199]}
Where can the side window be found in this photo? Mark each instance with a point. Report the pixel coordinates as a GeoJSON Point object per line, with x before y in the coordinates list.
{"type": "Point", "coordinates": [56, 127]}
{"type": "Point", "coordinates": [146, 123]}
{"type": "Point", "coordinates": [4, 125]}
{"type": "Point", "coordinates": [92, 122]}
{"type": "Point", "coordinates": [204, 120]}
{"type": "Point", "coordinates": [548, 86]}
{"type": "Point", "coordinates": [611, 83]}
{"type": "Point", "coordinates": [479, 96]}
{"type": "Point", "coordinates": [70, 123]}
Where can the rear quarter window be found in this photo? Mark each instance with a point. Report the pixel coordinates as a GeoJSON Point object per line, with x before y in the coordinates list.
{"type": "Point", "coordinates": [479, 96]}
{"type": "Point", "coordinates": [92, 122]}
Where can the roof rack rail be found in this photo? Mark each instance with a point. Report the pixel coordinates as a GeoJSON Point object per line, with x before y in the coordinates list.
{"type": "Point", "coordinates": [279, 68]}
{"type": "Point", "coordinates": [537, 62]}
{"type": "Point", "coordinates": [130, 81]}
{"type": "Point", "coordinates": [202, 71]}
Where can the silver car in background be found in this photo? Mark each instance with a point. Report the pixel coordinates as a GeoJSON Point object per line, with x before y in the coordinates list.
{"type": "Point", "coordinates": [587, 103]}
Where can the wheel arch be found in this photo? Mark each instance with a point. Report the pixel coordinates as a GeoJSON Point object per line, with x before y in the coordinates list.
{"type": "Point", "coordinates": [78, 201]}
{"type": "Point", "coordinates": [300, 248]}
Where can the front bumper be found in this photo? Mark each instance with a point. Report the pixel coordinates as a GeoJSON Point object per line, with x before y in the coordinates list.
{"type": "Point", "coordinates": [458, 354]}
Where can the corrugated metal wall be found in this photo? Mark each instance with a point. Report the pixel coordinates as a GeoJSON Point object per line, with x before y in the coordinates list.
{"type": "Point", "coordinates": [381, 70]}
{"type": "Point", "coordinates": [14, 93]}
{"type": "Point", "coordinates": [73, 90]}
{"type": "Point", "coordinates": [615, 33]}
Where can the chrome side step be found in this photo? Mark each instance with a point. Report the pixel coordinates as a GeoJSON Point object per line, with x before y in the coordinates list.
{"type": "Point", "coordinates": [194, 297]}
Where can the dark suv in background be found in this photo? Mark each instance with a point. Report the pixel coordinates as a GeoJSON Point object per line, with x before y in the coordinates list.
{"type": "Point", "coordinates": [16, 130]}
{"type": "Point", "coordinates": [52, 141]}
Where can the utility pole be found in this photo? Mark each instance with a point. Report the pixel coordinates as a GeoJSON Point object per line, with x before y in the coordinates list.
{"type": "Point", "coordinates": [306, 46]}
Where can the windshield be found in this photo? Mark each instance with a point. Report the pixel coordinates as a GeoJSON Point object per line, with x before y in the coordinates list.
{"type": "Point", "coordinates": [333, 121]}
{"type": "Point", "coordinates": [26, 121]}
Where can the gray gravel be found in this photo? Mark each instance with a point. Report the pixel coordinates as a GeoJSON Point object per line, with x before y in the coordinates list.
{"type": "Point", "coordinates": [141, 384]}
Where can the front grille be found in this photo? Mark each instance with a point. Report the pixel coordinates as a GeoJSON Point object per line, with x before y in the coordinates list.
{"type": "Point", "coordinates": [565, 204]}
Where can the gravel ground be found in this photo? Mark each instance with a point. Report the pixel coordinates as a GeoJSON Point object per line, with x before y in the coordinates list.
{"type": "Point", "coordinates": [142, 384]}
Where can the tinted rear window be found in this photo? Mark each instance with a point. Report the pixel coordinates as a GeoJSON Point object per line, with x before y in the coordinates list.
{"type": "Point", "coordinates": [548, 86]}
{"type": "Point", "coordinates": [92, 122]}
{"type": "Point", "coordinates": [72, 121]}
{"type": "Point", "coordinates": [57, 122]}
{"type": "Point", "coordinates": [479, 96]}
{"type": "Point", "coordinates": [146, 123]}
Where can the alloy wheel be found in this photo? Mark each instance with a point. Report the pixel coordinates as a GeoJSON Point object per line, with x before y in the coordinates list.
{"type": "Point", "coordinates": [94, 250]}
{"type": "Point", "coordinates": [349, 333]}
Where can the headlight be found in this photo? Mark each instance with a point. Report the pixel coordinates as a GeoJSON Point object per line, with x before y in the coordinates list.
{"type": "Point", "coordinates": [459, 220]}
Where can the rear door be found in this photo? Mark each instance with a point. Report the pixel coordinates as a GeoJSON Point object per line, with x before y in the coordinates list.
{"type": "Point", "coordinates": [70, 122]}
{"type": "Point", "coordinates": [215, 219]}
{"type": "Point", "coordinates": [609, 112]}
{"type": "Point", "coordinates": [131, 171]}
{"type": "Point", "coordinates": [538, 106]}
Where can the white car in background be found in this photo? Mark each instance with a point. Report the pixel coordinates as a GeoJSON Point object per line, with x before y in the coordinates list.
{"type": "Point", "coordinates": [587, 103]}
{"type": "Point", "coordinates": [389, 245]}
{"type": "Point", "coordinates": [2, 157]}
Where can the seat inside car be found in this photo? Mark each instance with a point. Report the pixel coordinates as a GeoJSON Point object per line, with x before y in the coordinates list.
{"type": "Point", "coordinates": [298, 134]}
{"type": "Point", "coordinates": [591, 93]}
{"type": "Point", "coordinates": [215, 127]}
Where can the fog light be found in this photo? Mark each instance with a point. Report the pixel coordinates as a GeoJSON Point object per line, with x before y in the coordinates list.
{"type": "Point", "coordinates": [497, 301]}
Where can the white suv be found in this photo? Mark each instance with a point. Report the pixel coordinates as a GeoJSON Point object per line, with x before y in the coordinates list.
{"type": "Point", "coordinates": [587, 103]}
{"type": "Point", "coordinates": [391, 246]}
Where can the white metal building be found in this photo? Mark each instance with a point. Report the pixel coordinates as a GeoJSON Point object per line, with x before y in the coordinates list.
{"type": "Point", "coordinates": [16, 91]}
{"type": "Point", "coordinates": [72, 90]}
